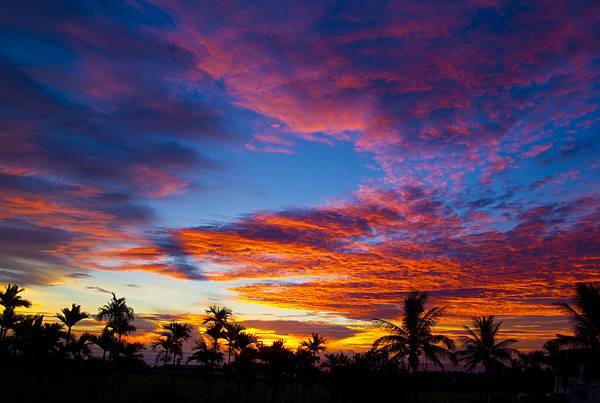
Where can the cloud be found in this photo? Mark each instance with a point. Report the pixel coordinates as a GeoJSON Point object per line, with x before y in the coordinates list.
{"type": "Point", "coordinates": [99, 289]}
{"type": "Point", "coordinates": [78, 275]}
{"type": "Point", "coordinates": [434, 91]}
{"type": "Point", "coordinates": [359, 260]}
{"type": "Point", "coordinates": [301, 329]}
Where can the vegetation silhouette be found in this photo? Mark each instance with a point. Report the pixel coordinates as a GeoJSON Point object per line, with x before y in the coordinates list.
{"type": "Point", "coordinates": [70, 317]}
{"type": "Point", "coordinates": [314, 344]}
{"type": "Point", "coordinates": [584, 345]}
{"type": "Point", "coordinates": [172, 341]}
{"type": "Point", "coordinates": [482, 348]}
{"type": "Point", "coordinates": [227, 355]}
{"type": "Point", "coordinates": [414, 337]}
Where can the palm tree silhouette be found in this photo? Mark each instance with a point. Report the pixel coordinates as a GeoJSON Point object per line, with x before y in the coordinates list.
{"type": "Point", "coordinates": [10, 299]}
{"type": "Point", "coordinates": [204, 354]}
{"type": "Point", "coordinates": [70, 317]}
{"type": "Point", "coordinates": [116, 308]}
{"type": "Point", "coordinates": [106, 341]}
{"type": "Point", "coordinates": [131, 353]}
{"type": "Point", "coordinates": [119, 316]}
{"type": "Point", "coordinates": [80, 347]}
{"type": "Point", "coordinates": [163, 344]}
{"type": "Point", "coordinates": [179, 332]}
{"type": "Point", "coordinates": [481, 346]}
{"type": "Point", "coordinates": [245, 343]}
{"type": "Point", "coordinates": [232, 332]}
{"type": "Point", "coordinates": [314, 344]}
{"type": "Point", "coordinates": [585, 317]}
{"type": "Point", "coordinates": [217, 317]}
{"type": "Point", "coordinates": [414, 337]}
{"type": "Point", "coordinates": [8, 319]}
{"type": "Point", "coordinates": [34, 339]}
{"type": "Point", "coordinates": [336, 360]}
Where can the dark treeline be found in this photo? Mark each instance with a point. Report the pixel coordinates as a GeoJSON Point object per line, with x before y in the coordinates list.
{"type": "Point", "coordinates": [411, 362]}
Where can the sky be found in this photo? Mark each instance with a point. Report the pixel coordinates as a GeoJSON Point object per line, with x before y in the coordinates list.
{"type": "Point", "coordinates": [306, 163]}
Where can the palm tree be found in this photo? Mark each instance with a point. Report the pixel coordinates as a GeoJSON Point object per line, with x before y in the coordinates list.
{"type": "Point", "coordinates": [70, 317]}
{"type": "Point", "coordinates": [414, 337]}
{"type": "Point", "coordinates": [278, 361]}
{"type": "Point", "coordinates": [215, 333]}
{"type": "Point", "coordinates": [10, 299]}
{"type": "Point", "coordinates": [8, 319]}
{"type": "Point", "coordinates": [179, 332]}
{"type": "Point", "coordinates": [163, 345]}
{"type": "Point", "coordinates": [244, 342]}
{"type": "Point", "coordinates": [481, 346]}
{"type": "Point", "coordinates": [119, 316]}
{"type": "Point", "coordinates": [217, 316]}
{"type": "Point", "coordinates": [80, 347]}
{"type": "Point", "coordinates": [121, 327]}
{"type": "Point", "coordinates": [106, 341]}
{"type": "Point", "coordinates": [232, 332]}
{"type": "Point", "coordinates": [585, 317]}
{"type": "Point", "coordinates": [34, 339]}
{"type": "Point", "coordinates": [115, 309]}
{"type": "Point", "coordinates": [204, 354]}
{"type": "Point", "coordinates": [314, 344]}
{"type": "Point", "coordinates": [336, 361]}
{"type": "Point", "coordinates": [132, 352]}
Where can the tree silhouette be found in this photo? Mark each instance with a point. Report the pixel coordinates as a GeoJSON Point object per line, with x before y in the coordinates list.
{"type": "Point", "coordinates": [232, 332]}
{"type": "Point", "coordinates": [277, 358]}
{"type": "Point", "coordinates": [10, 299]}
{"type": "Point", "coordinates": [35, 339]}
{"type": "Point", "coordinates": [215, 333]}
{"type": "Point", "coordinates": [335, 361]}
{"type": "Point", "coordinates": [119, 316]}
{"type": "Point", "coordinates": [80, 347]}
{"type": "Point", "coordinates": [584, 315]}
{"type": "Point", "coordinates": [314, 344]}
{"type": "Point", "coordinates": [481, 346]}
{"type": "Point", "coordinates": [130, 353]}
{"type": "Point", "coordinates": [244, 346]}
{"type": "Point", "coordinates": [70, 317]}
{"type": "Point", "coordinates": [8, 319]}
{"type": "Point", "coordinates": [204, 354]}
{"type": "Point", "coordinates": [106, 341]}
{"type": "Point", "coordinates": [163, 344]}
{"type": "Point", "coordinates": [172, 340]}
{"type": "Point", "coordinates": [414, 337]}
{"type": "Point", "coordinates": [217, 317]}
{"type": "Point", "coordinates": [180, 332]}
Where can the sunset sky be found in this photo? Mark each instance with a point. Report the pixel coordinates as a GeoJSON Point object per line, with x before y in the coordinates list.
{"type": "Point", "coordinates": [305, 163]}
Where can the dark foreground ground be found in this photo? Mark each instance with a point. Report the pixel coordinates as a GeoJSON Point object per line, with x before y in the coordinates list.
{"type": "Point", "coordinates": [72, 382]}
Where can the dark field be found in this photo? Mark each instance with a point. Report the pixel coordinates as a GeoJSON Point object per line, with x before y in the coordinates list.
{"type": "Point", "coordinates": [96, 382]}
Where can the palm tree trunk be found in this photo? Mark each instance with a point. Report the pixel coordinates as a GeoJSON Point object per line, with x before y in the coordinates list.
{"type": "Point", "coordinates": [68, 336]}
